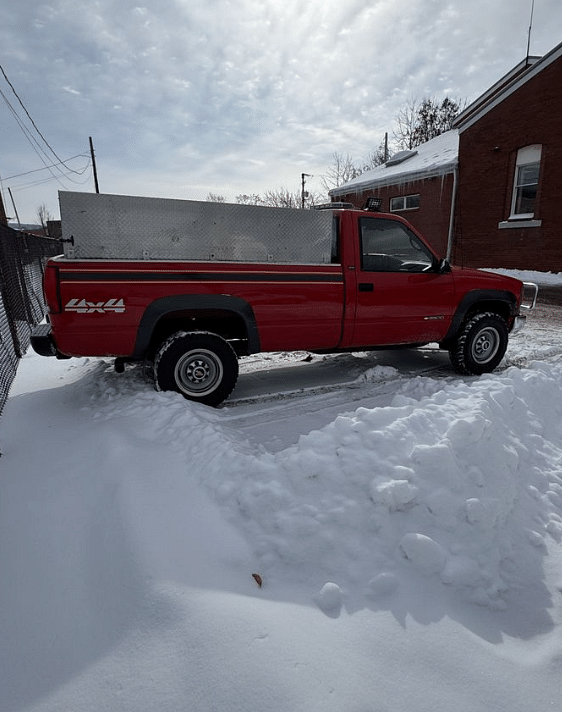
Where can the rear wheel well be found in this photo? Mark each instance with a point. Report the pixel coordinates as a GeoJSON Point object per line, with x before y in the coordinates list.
{"type": "Point", "coordinates": [228, 325]}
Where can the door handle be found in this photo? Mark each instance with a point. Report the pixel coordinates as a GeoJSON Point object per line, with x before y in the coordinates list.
{"type": "Point", "coordinates": [366, 286]}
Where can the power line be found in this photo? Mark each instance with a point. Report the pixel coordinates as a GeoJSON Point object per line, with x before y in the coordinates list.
{"type": "Point", "coordinates": [42, 181]}
{"type": "Point", "coordinates": [44, 157]}
{"type": "Point", "coordinates": [37, 170]}
{"type": "Point", "coordinates": [35, 145]}
{"type": "Point", "coordinates": [33, 122]}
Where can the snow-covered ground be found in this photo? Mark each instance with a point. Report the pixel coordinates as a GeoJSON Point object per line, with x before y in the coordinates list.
{"type": "Point", "coordinates": [352, 533]}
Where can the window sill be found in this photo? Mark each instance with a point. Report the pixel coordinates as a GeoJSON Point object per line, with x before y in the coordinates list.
{"type": "Point", "coordinates": [519, 223]}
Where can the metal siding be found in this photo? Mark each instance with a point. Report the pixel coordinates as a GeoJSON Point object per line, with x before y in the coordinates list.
{"type": "Point", "coordinates": [135, 228]}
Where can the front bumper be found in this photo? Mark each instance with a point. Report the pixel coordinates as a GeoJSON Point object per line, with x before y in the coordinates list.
{"type": "Point", "coordinates": [528, 302]}
{"type": "Point", "coordinates": [530, 294]}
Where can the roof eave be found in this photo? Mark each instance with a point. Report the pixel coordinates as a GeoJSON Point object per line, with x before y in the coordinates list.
{"type": "Point", "coordinates": [396, 179]}
{"type": "Point", "coordinates": [496, 94]}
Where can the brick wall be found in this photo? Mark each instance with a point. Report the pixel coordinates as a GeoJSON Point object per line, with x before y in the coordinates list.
{"type": "Point", "coordinates": [487, 154]}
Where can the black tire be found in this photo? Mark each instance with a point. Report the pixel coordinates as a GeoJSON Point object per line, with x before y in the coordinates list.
{"type": "Point", "coordinates": [201, 366]}
{"type": "Point", "coordinates": [480, 344]}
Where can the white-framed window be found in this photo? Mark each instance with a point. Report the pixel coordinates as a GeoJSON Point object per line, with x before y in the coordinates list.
{"type": "Point", "coordinates": [526, 181]}
{"type": "Point", "coordinates": [404, 202]}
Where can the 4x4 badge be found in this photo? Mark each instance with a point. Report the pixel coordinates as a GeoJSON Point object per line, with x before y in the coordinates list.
{"type": "Point", "coordinates": [81, 306]}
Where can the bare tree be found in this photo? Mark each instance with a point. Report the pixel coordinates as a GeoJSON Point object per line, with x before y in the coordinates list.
{"type": "Point", "coordinates": [215, 198]}
{"type": "Point", "coordinates": [253, 199]}
{"type": "Point", "coordinates": [279, 198]}
{"type": "Point", "coordinates": [405, 125]}
{"type": "Point", "coordinates": [378, 156]}
{"type": "Point", "coordinates": [419, 122]}
{"type": "Point", "coordinates": [44, 216]}
{"type": "Point", "coordinates": [342, 170]}
{"type": "Point", "coordinates": [282, 198]}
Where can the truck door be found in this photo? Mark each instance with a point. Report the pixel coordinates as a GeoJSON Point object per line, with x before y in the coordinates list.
{"type": "Point", "coordinates": [401, 297]}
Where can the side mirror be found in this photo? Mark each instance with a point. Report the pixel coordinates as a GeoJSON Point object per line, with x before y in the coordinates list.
{"type": "Point", "coordinates": [443, 266]}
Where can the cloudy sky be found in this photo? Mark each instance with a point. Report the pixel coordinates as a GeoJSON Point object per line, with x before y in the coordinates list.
{"type": "Point", "coordinates": [187, 97]}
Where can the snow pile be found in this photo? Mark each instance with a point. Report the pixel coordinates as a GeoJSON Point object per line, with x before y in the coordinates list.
{"type": "Point", "coordinates": [541, 278]}
{"type": "Point", "coordinates": [403, 556]}
{"type": "Point", "coordinates": [454, 488]}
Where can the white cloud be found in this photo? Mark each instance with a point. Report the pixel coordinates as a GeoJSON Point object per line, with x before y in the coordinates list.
{"type": "Point", "coordinates": [234, 93]}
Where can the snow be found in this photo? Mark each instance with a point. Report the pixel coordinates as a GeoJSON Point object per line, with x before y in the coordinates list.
{"type": "Point", "coordinates": [434, 158]}
{"type": "Point", "coordinates": [350, 532]}
{"type": "Point", "coordinates": [541, 278]}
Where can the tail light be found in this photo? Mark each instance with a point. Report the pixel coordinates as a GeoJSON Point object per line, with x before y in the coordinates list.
{"type": "Point", "coordinates": [51, 289]}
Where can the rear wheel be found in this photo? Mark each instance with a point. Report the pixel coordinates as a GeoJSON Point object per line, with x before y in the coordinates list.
{"type": "Point", "coordinates": [201, 366]}
{"type": "Point", "coordinates": [480, 345]}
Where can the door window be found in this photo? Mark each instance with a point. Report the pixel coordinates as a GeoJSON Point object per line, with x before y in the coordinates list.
{"type": "Point", "coordinates": [388, 246]}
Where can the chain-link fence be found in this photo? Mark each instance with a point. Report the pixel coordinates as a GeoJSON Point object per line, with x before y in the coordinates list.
{"type": "Point", "coordinates": [22, 260]}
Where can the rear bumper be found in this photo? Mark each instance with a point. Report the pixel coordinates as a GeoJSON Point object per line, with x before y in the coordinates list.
{"type": "Point", "coordinates": [42, 340]}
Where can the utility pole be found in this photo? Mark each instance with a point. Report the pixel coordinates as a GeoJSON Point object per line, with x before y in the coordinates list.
{"type": "Point", "coordinates": [15, 209]}
{"type": "Point", "coordinates": [303, 193]}
{"type": "Point", "coordinates": [530, 28]}
{"type": "Point", "coordinates": [3, 216]}
{"type": "Point", "coordinates": [94, 165]}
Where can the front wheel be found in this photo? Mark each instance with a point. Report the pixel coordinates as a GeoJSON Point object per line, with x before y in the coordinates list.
{"type": "Point", "coordinates": [201, 366]}
{"type": "Point", "coordinates": [480, 344]}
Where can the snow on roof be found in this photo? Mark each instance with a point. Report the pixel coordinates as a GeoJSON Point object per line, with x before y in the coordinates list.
{"type": "Point", "coordinates": [434, 158]}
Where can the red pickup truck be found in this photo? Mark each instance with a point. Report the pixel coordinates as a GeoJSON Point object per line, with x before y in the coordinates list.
{"type": "Point", "coordinates": [189, 287]}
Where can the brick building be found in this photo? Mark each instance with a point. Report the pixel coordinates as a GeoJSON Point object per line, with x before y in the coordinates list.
{"type": "Point", "coordinates": [488, 192]}
{"type": "Point", "coordinates": [510, 171]}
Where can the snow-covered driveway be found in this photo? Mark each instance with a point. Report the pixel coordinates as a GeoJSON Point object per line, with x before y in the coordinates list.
{"type": "Point", "coordinates": [405, 525]}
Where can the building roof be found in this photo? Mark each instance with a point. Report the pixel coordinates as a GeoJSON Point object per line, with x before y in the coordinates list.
{"type": "Point", "coordinates": [429, 160]}
{"type": "Point", "coordinates": [507, 85]}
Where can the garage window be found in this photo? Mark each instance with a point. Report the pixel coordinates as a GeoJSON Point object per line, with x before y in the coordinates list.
{"type": "Point", "coordinates": [404, 202]}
